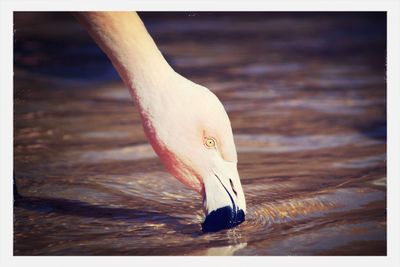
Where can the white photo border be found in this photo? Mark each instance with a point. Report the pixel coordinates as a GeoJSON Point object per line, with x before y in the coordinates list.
{"type": "Point", "coordinates": [7, 7]}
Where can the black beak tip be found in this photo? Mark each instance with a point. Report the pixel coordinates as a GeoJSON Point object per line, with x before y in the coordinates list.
{"type": "Point", "coordinates": [222, 218]}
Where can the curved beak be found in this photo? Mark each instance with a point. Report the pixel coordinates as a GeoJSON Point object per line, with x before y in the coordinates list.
{"type": "Point", "coordinates": [223, 198]}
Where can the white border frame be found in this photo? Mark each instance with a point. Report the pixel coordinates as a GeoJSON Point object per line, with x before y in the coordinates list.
{"type": "Point", "coordinates": [6, 133]}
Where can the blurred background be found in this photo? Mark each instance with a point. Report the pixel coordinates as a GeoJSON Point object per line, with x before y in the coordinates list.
{"type": "Point", "coordinates": [306, 95]}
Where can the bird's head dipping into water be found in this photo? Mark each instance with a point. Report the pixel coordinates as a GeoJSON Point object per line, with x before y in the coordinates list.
{"type": "Point", "coordinates": [193, 137]}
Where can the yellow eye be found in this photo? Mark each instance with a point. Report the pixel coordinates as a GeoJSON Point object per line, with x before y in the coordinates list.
{"type": "Point", "coordinates": [210, 142]}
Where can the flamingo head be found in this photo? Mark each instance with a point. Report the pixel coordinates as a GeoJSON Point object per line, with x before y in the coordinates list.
{"type": "Point", "coordinates": [192, 135]}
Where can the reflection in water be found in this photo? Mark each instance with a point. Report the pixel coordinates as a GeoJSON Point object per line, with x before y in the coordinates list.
{"type": "Point", "coordinates": [221, 251]}
{"type": "Point", "coordinates": [307, 102]}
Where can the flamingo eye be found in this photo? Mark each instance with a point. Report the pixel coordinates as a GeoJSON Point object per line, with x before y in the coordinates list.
{"type": "Point", "coordinates": [210, 142]}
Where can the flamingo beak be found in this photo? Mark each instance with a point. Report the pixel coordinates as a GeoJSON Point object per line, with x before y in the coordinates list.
{"type": "Point", "coordinates": [223, 201]}
{"type": "Point", "coordinates": [223, 218]}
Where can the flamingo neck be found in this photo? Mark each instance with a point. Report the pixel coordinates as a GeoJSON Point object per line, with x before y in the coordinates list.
{"type": "Point", "coordinates": [125, 40]}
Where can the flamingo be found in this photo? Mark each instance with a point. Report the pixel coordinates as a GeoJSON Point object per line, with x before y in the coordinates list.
{"type": "Point", "coordinates": [185, 123]}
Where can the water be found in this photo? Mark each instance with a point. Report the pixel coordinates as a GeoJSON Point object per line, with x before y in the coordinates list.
{"type": "Point", "coordinates": [306, 95]}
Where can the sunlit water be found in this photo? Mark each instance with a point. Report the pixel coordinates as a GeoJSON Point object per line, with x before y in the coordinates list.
{"type": "Point", "coordinates": [306, 95]}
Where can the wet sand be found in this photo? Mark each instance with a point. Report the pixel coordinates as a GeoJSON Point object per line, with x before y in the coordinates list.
{"type": "Point", "coordinates": [306, 95]}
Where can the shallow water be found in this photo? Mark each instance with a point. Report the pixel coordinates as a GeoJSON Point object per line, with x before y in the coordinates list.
{"type": "Point", "coordinates": [306, 95]}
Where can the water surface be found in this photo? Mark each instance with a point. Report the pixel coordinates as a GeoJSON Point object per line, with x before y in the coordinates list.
{"type": "Point", "coordinates": [306, 95]}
